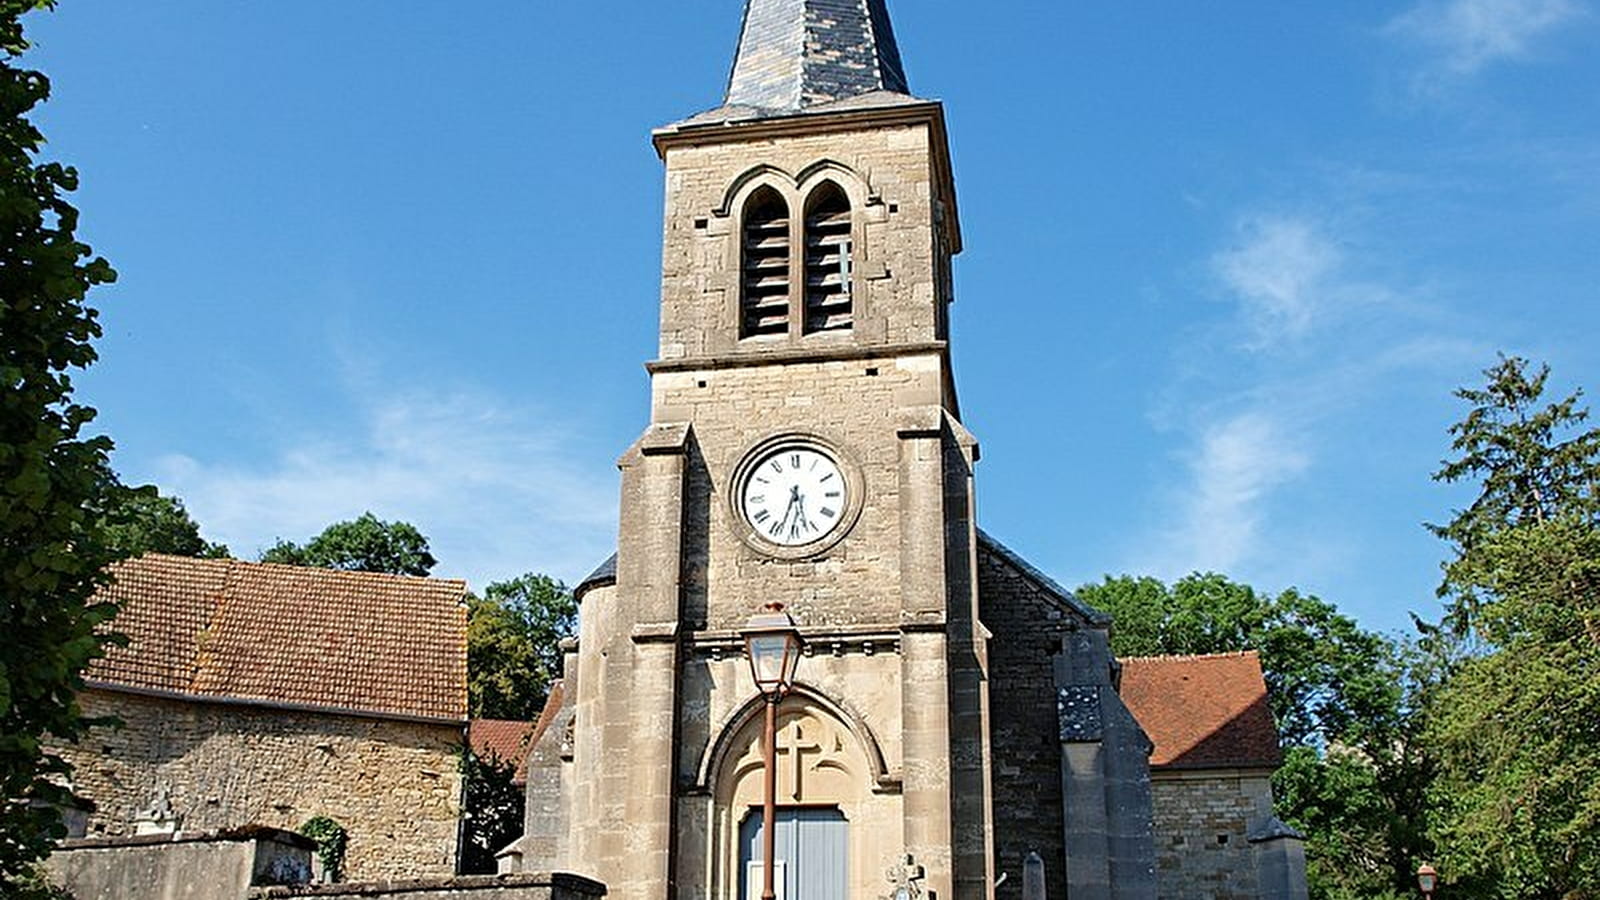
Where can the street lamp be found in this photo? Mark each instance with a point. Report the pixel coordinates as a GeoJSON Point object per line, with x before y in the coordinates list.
{"type": "Point", "coordinates": [1427, 879]}
{"type": "Point", "coordinates": [774, 643]}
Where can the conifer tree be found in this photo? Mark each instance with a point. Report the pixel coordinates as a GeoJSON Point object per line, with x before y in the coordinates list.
{"type": "Point", "coordinates": [1517, 728]}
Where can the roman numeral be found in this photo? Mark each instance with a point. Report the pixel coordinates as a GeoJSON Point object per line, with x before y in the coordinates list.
{"type": "Point", "coordinates": [825, 477]}
{"type": "Point", "coordinates": [762, 516]}
{"type": "Point", "coordinates": [777, 467]}
{"type": "Point", "coordinates": [760, 499]}
{"type": "Point", "coordinates": [794, 460]}
{"type": "Point", "coordinates": [828, 512]}
{"type": "Point", "coordinates": [833, 494]}
{"type": "Point", "coordinates": [776, 527]}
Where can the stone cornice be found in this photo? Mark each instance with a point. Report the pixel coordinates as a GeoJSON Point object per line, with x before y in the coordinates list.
{"type": "Point", "coordinates": [797, 355]}
{"type": "Point", "coordinates": [253, 703]}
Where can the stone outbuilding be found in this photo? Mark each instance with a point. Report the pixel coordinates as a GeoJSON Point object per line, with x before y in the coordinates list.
{"type": "Point", "coordinates": [264, 695]}
{"type": "Point", "coordinates": [1215, 749]}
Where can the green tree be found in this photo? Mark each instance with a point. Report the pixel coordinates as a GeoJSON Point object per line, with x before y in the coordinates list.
{"type": "Point", "coordinates": [514, 632]}
{"type": "Point", "coordinates": [367, 544]}
{"type": "Point", "coordinates": [1322, 669]}
{"type": "Point", "coordinates": [1361, 800]}
{"type": "Point", "coordinates": [492, 811]}
{"type": "Point", "coordinates": [1345, 700]}
{"type": "Point", "coordinates": [138, 520]}
{"type": "Point", "coordinates": [52, 558]}
{"type": "Point", "coordinates": [1517, 728]}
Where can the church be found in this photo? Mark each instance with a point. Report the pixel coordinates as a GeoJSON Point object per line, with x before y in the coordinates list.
{"type": "Point", "coordinates": [957, 719]}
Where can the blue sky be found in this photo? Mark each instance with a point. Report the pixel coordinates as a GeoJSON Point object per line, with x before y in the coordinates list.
{"type": "Point", "coordinates": [1225, 262]}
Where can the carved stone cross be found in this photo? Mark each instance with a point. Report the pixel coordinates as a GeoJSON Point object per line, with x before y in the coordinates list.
{"type": "Point", "coordinates": [905, 877]}
{"type": "Point", "coordinates": [797, 747]}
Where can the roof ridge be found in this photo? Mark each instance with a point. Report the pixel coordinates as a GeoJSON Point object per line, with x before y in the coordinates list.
{"type": "Point", "coordinates": [201, 562]}
{"type": "Point", "coordinates": [1050, 585]}
{"type": "Point", "coordinates": [178, 557]}
{"type": "Point", "coordinates": [1179, 657]}
{"type": "Point", "coordinates": [355, 573]}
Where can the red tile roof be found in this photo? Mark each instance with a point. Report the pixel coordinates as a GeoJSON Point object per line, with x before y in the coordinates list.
{"type": "Point", "coordinates": [503, 739]}
{"type": "Point", "coordinates": [512, 740]}
{"type": "Point", "coordinates": [547, 717]}
{"type": "Point", "coordinates": [353, 641]}
{"type": "Point", "coordinates": [1203, 712]}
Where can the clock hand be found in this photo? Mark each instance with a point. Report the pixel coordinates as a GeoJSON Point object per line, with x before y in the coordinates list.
{"type": "Point", "coordinates": [778, 528]}
{"type": "Point", "coordinates": [801, 522]}
{"type": "Point", "coordinates": [800, 525]}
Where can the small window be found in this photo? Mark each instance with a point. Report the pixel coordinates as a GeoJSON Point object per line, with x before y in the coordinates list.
{"type": "Point", "coordinates": [764, 305]}
{"type": "Point", "coordinates": [944, 278]}
{"type": "Point", "coordinates": [829, 263]}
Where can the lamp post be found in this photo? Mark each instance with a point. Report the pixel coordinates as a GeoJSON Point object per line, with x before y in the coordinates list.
{"type": "Point", "coordinates": [773, 643]}
{"type": "Point", "coordinates": [1427, 879]}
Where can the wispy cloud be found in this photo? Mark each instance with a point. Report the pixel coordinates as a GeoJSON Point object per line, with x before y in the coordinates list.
{"type": "Point", "coordinates": [1279, 269]}
{"type": "Point", "coordinates": [497, 492]}
{"type": "Point", "coordinates": [1465, 36]}
{"type": "Point", "coordinates": [1252, 426]}
{"type": "Point", "coordinates": [1230, 477]}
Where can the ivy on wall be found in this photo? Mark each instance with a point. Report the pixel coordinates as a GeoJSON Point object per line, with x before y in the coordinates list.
{"type": "Point", "coordinates": [332, 839]}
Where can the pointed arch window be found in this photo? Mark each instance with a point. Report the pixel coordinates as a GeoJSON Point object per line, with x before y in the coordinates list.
{"type": "Point", "coordinates": [764, 302]}
{"type": "Point", "coordinates": [830, 276]}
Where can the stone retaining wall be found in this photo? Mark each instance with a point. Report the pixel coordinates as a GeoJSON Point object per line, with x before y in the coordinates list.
{"type": "Point", "coordinates": [200, 866]}
{"type": "Point", "coordinates": [544, 886]}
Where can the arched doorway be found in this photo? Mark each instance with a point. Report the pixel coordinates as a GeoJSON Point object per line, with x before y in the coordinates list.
{"type": "Point", "coordinates": [823, 788]}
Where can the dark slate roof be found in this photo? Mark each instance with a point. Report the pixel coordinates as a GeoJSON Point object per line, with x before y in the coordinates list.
{"type": "Point", "coordinates": [1272, 829]}
{"type": "Point", "coordinates": [798, 54]}
{"type": "Point", "coordinates": [605, 573]}
{"type": "Point", "coordinates": [1045, 582]}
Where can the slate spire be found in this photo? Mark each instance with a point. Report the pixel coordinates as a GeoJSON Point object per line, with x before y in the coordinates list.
{"type": "Point", "coordinates": [797, 54]}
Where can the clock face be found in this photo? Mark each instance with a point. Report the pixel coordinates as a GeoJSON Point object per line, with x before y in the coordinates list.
{"type": "Point", "coordinates": [794, 496]}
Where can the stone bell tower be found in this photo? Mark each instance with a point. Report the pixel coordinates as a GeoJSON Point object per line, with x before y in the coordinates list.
{"type": "Point", "coordinates": [805, 447]}
{"type": "Point", "coordinates": [810, 223]}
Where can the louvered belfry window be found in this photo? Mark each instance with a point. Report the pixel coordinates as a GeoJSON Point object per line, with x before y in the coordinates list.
{"type": "Point", "coordinates": [829, 305]}
{"type": "Point", "coordinates": [764, 305]}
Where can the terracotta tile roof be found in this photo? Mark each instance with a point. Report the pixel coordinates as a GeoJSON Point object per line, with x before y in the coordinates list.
{"type": "Point", "coordinates": [552, 708]}
{"type": "Point", "coordinates": [504, 739]}
{"type": "Point", "coordinates": [514, 740]}
{"type": "Point", "coordinates": [1202, 712]}
{"type": "Point", "coordinates": [356, 641]}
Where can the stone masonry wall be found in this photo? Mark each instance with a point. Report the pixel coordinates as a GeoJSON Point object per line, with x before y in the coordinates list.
{"type": "Point", "coordinates": [1202, 819]}
{"type": "Point", "coordinates": [888, 173]}
{"type": "Point", "coordinates": [1027, 626]}
{"type": "Point", "coordinates": [856, 404]}
{"type": "Point", "coordinates": [395, 786]}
